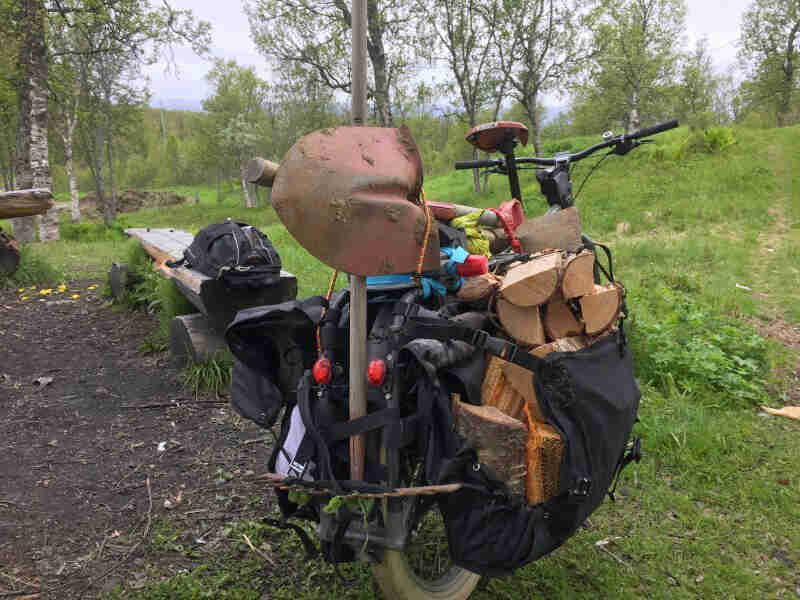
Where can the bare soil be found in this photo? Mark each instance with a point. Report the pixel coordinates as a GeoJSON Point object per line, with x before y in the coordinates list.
{"type": "Point", "coordinates": [88, 459]}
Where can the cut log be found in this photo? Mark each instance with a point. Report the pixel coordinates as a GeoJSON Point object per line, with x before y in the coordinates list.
{"type": "Point", "coordinates": [559, 320]}
{"type": "Point", "coordinates": [120, 278]}
{"type": "Point", "coordinates": [521, 382]}
{"type": "Point", "coordinates": [192, 340]}
{"type": "Point", "coordinates": [544, 450]}
{"type": "Point", "coordinates": [497, 391]}
{"type": "Point", "coordinates": [261, 171]}
{"type": "Point", "coordinates": [500, 440]}
{"type": "Point", "coordinates": [534, 282]}
{"type": "Point", "coordinates": [570, 344]}
{"type": "Point", "coordinates": [210, 296]}
{"type": "Point", "coordinates": [478, 287]}
{"type": "Point", "coordinates": [523, 323]}
{"type": "Point", "coordinates": [9, 254]}
{"type": "Point", "coordinates": [578, 277]}
{"type": "Point", "coordinates": [601, 308]}
{"type": "Point", "coordinates": [560, 229]}
{"type": "Point", "coordinates": [24, 203]}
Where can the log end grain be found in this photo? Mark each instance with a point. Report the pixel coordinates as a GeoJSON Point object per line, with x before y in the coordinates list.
{"type": "Point", "coordinates": [559, 321]}
{"type": "Point", "coordinates": [578, 277]}
{"type": "Point", "coordinates": [523, 323]}
{"type": "Point", "coordinates": [192, 339]}
{"type": "Point", "coordinates": [534, 282]}
{"type": "Point", "coordinates": [601, 308]}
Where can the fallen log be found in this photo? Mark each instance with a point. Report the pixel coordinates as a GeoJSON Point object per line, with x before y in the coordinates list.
{"type": "Point", "coordinates": [192, 340]}
{"type": "Point", "coordinates": [25, 203]}
{"type": "Point", "coordinates": [534, 282]}
{"type": "Point", "coordinates": [501, 442]}
{"type": "Point", "coordinates": [523, 323]}
{"type": "Point", "coordinates": [601, 308]}
{"type": "Point", "coordinates": [9, 254]}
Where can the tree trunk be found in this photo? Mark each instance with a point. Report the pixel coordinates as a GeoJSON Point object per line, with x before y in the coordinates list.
{"type": "Point", "coordinates": [96, 165]}
{"type": "Point", "coordinates": [476, 174]}
{"type": "Point", "coordinates": [248, 201]}
{"type": "Point", "coordinates": [537, 125]}
{"type": "Point", "coordinates": [75, 206]}
{"type": "Point", "coordinates": [110, 207]}
{"type": "Point", "coordinates": [377, 57]}
{"type": "Point", "coordinates": [634, 120]}
{"type": "Point", "coordinates": [33, 168]}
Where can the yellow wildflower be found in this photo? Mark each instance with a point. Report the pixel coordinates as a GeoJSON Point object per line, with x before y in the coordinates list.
{"type": "Point", "coordinates": [20, 290]}
{"type": "Point", "coordinates": [45, 292]}
{"type": "Point", "coordinates": [62, 288]}
{"type": "Point", "coordinates": [92, 287]}
{"type": "Point", "coordinates": [75, 296]}
{"type": "Point", "coordinates": [24, 298]}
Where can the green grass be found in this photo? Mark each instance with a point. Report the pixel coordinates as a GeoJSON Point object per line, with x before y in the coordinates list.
{"type": "Point", "coordinates": [712, 509]}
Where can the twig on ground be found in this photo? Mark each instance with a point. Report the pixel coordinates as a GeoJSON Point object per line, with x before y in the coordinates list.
{"type": "Point", "coordinates": [170, 404]}
{"type": "Point", "coordinates": [19, 595]}
{"type": "Point", "coordinates": [146, 533]}
{"type": "Point", "coordinates": [256, 440]}
{"type": "Point", "coordinates": [257, 551]}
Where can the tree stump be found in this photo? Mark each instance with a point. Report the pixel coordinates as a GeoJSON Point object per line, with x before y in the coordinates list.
{"type": "Point", "coordinates": [192, 340]}
{"type": "Point", "coordinates": [9, 254]}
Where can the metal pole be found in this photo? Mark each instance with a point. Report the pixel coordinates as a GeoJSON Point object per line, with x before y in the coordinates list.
{"type": "Point", "coordinates": [358, 284]}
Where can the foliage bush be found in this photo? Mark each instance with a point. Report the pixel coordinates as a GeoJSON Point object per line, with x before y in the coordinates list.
{"type": "Point", "coordinates": [33, 270]}
{"type": "Point", "coordinates": [694, 349]}
{"type": "Point", "coordinates": [91, 232]}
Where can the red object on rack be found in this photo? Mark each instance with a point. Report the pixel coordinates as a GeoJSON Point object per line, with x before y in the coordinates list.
{"type": "Point", "coordinates": [476, 264]}
{"type": "Point", "coordinates": [376, 372]}
{"type": "Point", "coordinates": [322, 371]}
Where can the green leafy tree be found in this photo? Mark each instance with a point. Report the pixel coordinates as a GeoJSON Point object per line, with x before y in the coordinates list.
{"type": "Point", "coordinates": [770, 47]}
{"type": "Point", "coordinates": [699, 88]}
{"type": "Point", "coordinates": [632, 76]}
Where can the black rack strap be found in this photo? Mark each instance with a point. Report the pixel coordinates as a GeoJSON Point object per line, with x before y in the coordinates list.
{"type": "Point", "coordinates": [443, 330]}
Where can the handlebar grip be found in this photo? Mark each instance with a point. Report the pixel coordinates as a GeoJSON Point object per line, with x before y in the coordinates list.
{"type": "Point", "coordinates": [647, 131]}
{"type": "Point", "coordinates": [476, 164]}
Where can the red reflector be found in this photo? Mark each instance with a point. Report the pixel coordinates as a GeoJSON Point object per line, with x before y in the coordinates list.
{"type": "Point", "coordinates": [376, 372]}
{"type": "Point", "coordinates": [322, 371]}
{"type": "Point", "coordinates": [476, 264]}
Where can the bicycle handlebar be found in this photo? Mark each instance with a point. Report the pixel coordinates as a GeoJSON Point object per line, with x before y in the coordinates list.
{"type": "Point", "coordinates": [647, 131]}
{"type": "Point", "coordinates": [478, 164]}
{"type": "Point", "coordinates": [622, 139]}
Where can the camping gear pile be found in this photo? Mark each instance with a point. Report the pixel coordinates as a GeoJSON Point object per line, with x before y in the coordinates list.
{"type": "Point", "coordinates": [502, 378]}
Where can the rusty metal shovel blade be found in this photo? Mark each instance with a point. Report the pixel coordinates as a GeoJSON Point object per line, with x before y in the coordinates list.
{"type": "Point", "coordinates": [351, 197]}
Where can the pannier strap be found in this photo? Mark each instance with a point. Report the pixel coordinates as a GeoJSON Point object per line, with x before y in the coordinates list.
{"type": "Point", "coordinates": [374, 420]}
{"type": "Point", "coordinates": [442, 330]}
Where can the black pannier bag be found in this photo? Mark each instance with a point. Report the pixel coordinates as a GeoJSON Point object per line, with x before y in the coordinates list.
{"type": "Point", "coordinates": [592, 398]}
{"type": "Point", "coordinates": [236, 253]}
{"type": "Point", "coordinates": [254, 396]}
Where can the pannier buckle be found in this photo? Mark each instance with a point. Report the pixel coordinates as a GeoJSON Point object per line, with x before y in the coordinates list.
{"type": "Point", "coordinates": [582, 488]}
{"type": "Point", "coordinates": [479, 338]}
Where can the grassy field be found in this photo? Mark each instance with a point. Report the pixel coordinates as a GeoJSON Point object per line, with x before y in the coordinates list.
{"type": "Point", "coordinates": [708, 246]}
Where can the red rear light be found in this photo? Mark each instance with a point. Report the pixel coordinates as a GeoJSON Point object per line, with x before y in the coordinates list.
{"type": "Point", "coordinates": [322, 371]}
{"type": "Point", "coordinates": [376, 372]}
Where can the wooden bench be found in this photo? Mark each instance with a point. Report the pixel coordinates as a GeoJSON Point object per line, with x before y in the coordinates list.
{"type": "Point", "coordinates": [199, 336]}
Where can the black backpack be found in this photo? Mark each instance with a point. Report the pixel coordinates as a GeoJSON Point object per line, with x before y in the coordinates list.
{"type": "Point", "coordinates": [236, 253]}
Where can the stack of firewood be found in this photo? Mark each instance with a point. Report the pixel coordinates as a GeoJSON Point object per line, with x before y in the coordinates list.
{"type": "Point", "coordinates": [547, 304]}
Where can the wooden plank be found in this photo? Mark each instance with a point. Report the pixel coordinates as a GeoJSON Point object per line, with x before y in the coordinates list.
{"type": "Point", "coordinates": [25, 203]}
{"type": "Point", "coordinates": [210, 296]}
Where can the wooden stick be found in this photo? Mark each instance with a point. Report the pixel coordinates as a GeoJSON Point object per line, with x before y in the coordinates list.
{"type": "Point", "coordinates": [358, 369]}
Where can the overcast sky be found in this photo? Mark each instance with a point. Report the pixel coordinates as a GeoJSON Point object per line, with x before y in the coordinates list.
{"type": "Point", "coordinates": [718, 20]}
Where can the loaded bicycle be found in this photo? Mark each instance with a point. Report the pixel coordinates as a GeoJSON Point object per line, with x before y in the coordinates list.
{"type": "Point", "coordinates": [430, 511]}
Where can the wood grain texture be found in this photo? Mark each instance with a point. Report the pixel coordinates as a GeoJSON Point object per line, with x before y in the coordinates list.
{"type": "Point", "coordinates": [193, 340]}
{"type": "Point", "coordinates": [25, 203]}
{"type": "Point", "coordinates": [523, 323]}
{"type": "Point", "coordinates": [561, 229]}
{"type": "Point", "coordinates": [559, 321]}
{"type": "Point", "coordinates": [501, 442]}
{"type": "Point", "coordinates": [534, 282]}
{"type": "Point", "coordinates": [601, 308]}
{"type": "Point", "coordinates": [544, 450]}
{"type": "Point", "coordinates": [578, 276]}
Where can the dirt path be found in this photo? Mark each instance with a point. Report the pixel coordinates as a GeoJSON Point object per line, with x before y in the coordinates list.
{"type": "Point", "coordinates": [76, 454]}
